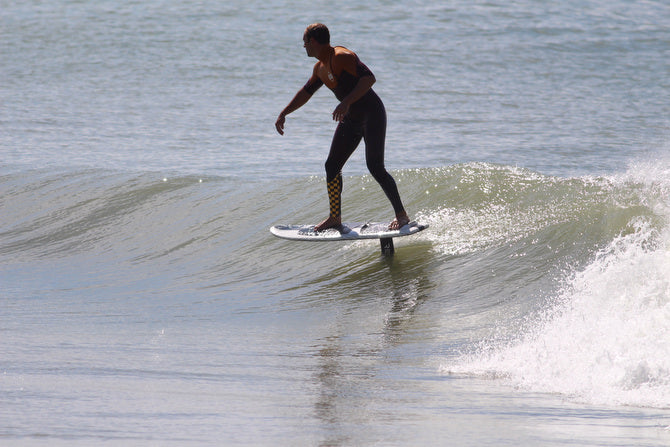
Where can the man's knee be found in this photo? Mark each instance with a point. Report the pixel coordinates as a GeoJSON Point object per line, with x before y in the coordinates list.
{"type": "Point", "coordinates": [332, 169]}
{"type": "Point", "coordinates": [376, 168]}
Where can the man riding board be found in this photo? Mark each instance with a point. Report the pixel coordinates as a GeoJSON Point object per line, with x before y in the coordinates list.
{"type": "Point", "coordinates": [360, 114]}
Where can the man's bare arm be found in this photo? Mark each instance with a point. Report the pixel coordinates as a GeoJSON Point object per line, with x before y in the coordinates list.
{"type": "Point", "coordinates": [299, 100]}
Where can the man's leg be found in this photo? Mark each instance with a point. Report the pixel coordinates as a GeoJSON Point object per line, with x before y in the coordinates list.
{"type": "Point", "coordinates": [375, 136]}
{"type": "Point", "coordinates": [344, 143]}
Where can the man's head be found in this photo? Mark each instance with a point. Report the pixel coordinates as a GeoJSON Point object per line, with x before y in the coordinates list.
{"type": "Point", "coordinates": [319, 32]}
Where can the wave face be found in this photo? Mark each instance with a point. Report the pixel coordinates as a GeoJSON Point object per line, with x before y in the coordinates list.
{"type": "Point", "coordinates": [558, 285]}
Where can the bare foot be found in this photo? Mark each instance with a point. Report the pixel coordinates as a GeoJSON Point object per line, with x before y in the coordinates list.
{"type": "Point", "coordinates": [331, 222]}
{"type": "Point", "coordinates": [400, 221]}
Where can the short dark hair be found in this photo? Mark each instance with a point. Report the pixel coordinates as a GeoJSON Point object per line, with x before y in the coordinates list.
{"type": "Point", "coordinates": [319, 32]}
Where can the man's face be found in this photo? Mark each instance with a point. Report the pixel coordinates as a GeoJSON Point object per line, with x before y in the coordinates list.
{"type": "Point", "coordinates": [309, 45]}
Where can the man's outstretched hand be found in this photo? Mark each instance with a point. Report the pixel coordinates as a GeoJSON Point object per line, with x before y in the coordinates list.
{"type": "Point", "coordinates": [279, 124]}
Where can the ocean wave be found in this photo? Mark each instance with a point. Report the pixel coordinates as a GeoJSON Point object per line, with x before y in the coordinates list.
{"type": "Point", "coordinates": [470, 208]}
{"type": "Point", "coordinates": [569, 274]}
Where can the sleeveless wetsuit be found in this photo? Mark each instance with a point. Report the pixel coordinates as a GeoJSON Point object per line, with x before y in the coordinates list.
{"type": "Point", "coordinates": [365, 120]}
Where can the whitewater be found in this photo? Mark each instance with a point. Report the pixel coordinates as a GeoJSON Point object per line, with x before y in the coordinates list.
{"type": "Point", "coordinates": [602, 337]}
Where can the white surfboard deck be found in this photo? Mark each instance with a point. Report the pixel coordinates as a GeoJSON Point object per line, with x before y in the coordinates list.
{"type": "Point", "coordinates": [347, 232]}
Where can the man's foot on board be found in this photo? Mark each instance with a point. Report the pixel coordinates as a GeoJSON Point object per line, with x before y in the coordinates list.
{"type": "Point", "coordinates": [331, 222]}
{"type": "Point", "coordinates": [400, 221]}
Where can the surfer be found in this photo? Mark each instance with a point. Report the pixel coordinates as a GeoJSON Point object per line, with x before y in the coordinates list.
{"type": "Point", "coordinates": [360, 114]}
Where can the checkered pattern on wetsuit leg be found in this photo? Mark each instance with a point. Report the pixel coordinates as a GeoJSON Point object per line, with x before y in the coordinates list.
{"type": "Point", "coordinates": [334, 195]}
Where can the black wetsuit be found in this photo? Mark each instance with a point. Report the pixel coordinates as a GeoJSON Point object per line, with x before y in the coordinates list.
{"type": "Point", "coordinates": [366, 120]}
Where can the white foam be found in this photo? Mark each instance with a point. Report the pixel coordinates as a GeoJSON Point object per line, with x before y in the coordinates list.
{"type": "Point", "coordinates": [606, 338]}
